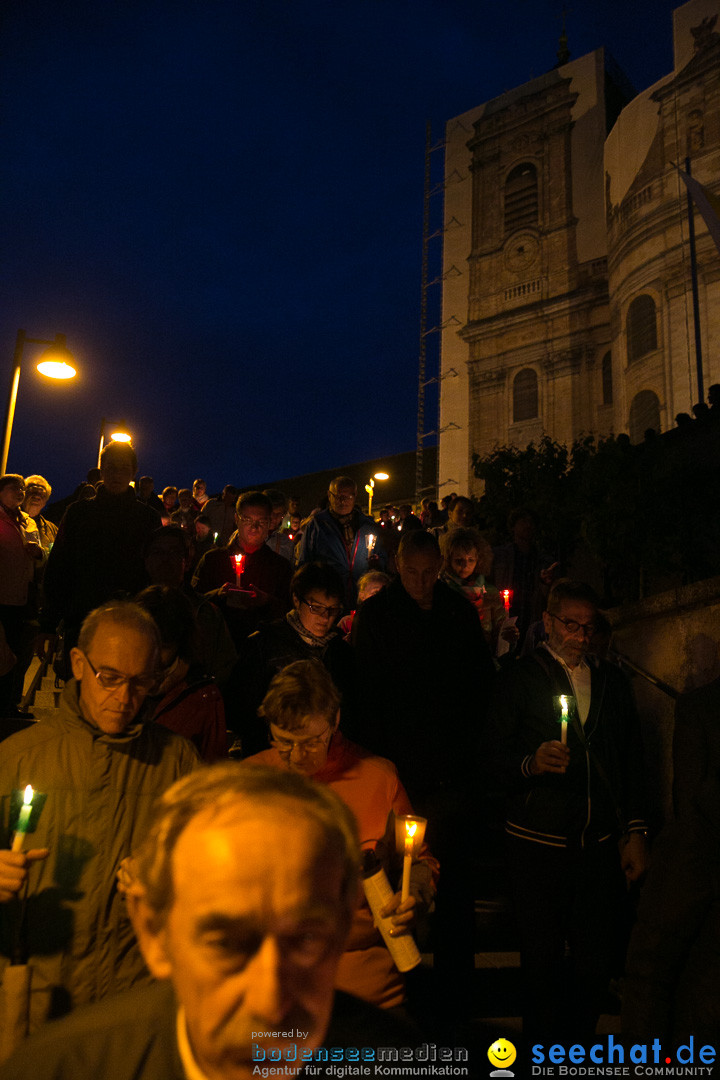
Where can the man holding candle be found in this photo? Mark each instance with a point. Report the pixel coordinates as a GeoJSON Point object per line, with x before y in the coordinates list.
{"type": "Point", "coordinates": [100, 770]}
{"type": "Point", "coordinates": [574, 825]}
{"type": "Point", "coordinates": [248, 581]}
{"type": "Point", "coordinates": [340, 536]}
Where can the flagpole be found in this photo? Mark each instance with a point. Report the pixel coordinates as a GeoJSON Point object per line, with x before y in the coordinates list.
{"type": "Point", "coordinates": [694, 280]}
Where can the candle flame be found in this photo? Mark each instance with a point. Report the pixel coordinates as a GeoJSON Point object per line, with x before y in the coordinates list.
{"type": "Point", "coordinates": [564, 704]}
{"type": "Point", "coordinates": [410, 829]}
{"type": "Point", "coordinates": [28, 796]}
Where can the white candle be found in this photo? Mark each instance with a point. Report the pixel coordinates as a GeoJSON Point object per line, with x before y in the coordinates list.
{"type": "Point", "coordinates": [410, 830]}
{"type": "Point", "coordinates": [23, 820]}
{"type": "Point", "coordinates": [563, 719]}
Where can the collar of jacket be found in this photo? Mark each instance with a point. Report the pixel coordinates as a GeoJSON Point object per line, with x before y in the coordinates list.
{"type": "Point", "coordinates": [71, 716]}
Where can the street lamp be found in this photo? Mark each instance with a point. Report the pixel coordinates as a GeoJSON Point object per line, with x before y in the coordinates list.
{"type": "Point", "coordinates": [118, 435]}
{"type": "Point", "coordinates": [55, 363]}
{"type": "Point", "coordinates": [370, 487]}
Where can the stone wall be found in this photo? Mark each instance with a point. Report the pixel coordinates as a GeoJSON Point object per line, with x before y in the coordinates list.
{"type": "Point", "coordinates": [675, 637]}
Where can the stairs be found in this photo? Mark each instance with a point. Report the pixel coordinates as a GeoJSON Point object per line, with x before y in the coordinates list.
{"type": "Point", "coordinates": [40, 695]}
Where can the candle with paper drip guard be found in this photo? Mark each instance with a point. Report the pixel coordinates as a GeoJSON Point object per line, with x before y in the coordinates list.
{"type": "Point", "coordinates": [23, 819]}
{"type": "Point", "coordinates": [409, 837]}
{"type": "Point", "coordinates": [239, 561]}
{"type": "Point", "coordinates": [370, 539]}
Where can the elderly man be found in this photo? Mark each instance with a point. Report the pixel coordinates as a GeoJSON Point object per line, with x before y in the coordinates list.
{"type": "Point", "coordinates": [99, 771]}
{"type": "Point", "coordinates": [245, 951]}
{"type": "Point", "coordinates": [343, 537]}
{"type": "Point", "coordinates": [98, 551]}
{"type": "Point", "coordinates": [264, 589]}
{"type": "Point", "coordinates": [574, 817]}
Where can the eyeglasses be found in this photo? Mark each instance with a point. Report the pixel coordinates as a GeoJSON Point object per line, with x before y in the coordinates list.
{"type": "Point", "coordinates": [113, 680]}
{"type": "Point", "coordinates": [254, 523]}
{"type": "Point", "coordinates": [305, 746]}
{"type": "Point", "coordinates": [321, 609]}
{"type": "Point", "coordinates": [341, 498]}
{"type": "Point", "coordinates": [572, 627]}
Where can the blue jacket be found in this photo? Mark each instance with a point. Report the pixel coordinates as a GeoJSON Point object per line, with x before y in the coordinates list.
{"type": "Point", "coordinates": [322, 541]}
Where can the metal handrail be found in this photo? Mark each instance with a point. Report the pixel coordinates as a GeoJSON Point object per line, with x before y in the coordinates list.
{"type": "Point", "coordinates": [625, 662]}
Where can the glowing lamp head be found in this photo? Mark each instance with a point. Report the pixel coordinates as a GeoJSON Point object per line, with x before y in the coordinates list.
{"type": "Point", "coordinates": [120, 436]}
{"type": "Point", "coordinates": [57, 361]}
{"type": "Point", "coordinates": [381, 476]}
{"type": "Point", "coordinates": [56, 369]}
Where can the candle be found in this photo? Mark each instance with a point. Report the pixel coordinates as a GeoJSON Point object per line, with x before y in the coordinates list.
{"type": "Point", "coordinates": [370, 543]}
{"type": "Point", "coordinates": [563, 719]}
{"type": "Point", "coordinates": [23, 820]}
{"type": "Point", "coordinates": [507, 595]}
{"type": "Point", "coordinates": [409, 836]}
{"type": "Point", "coordinates": [239, 560]}
{"type": "Point", "coordinates": [410, 830]}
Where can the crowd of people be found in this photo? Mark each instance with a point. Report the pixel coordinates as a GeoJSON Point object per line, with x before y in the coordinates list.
{"type": "Point", "coordinates": [403, 664]}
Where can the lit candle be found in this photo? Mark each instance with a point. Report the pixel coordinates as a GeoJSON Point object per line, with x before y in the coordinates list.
{"type": "Point", "coordinates": [507, 595]}
{"type": "Point", "coordinates": [410, 830]}
{"type": "Point", "coordinates": [239, 560]}
{"type": "Point", "coordinates": [370, 543]}
{"type": "Point", "coordinates": [23, 820]}
{"type": "Point", "coordinates": [563, 719]}
{"type": "Point", "coordinates": [215, 536]}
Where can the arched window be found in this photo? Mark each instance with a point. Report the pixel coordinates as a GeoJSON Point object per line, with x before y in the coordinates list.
{"type": "Point", "coordinates": [521, 197]}
{"type": "Point", "coordinates": [641, 328]}
{"type": "Point", "coordinates": [525, 395]}
{"type": "Point", "coordinates": [644, 414]}
{"type": "Point", "coordinates": [607, 384]}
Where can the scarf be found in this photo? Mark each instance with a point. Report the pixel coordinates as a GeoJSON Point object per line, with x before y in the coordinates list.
{"type": "Point", "coordinates": [315, 642]}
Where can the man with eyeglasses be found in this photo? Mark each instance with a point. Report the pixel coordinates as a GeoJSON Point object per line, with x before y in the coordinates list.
{"type": "Point", "coordinates": [344, 538]}
{"type": "Point", "coordinates": [257, 587]}
{"type": "Point", "coordinates": [97, 771]}
{"type": "Point", "coordinates": [574, 804]}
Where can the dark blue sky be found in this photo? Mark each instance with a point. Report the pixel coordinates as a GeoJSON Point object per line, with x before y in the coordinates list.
{"type": "Point", "coordinates": [219, 203]}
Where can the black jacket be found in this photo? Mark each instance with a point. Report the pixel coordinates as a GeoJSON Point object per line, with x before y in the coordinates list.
{"type": "Point", "coordinates": [602, 792]}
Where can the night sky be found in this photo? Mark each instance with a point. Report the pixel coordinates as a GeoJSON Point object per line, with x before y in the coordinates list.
{"type": "Point", "coordinates": [219, 203]}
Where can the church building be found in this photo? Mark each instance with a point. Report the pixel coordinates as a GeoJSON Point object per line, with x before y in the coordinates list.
{"type": "Point", "coordinates": [567, 302]}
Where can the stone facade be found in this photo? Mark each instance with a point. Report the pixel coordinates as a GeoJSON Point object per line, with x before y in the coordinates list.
{"type": "Point", "coordinates": [548, 242]}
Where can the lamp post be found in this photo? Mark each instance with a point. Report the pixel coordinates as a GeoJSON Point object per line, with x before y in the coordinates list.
{"type": "Point", "coordinates": [370, 487]}
{"type": "Point", "coordinates": [55, 363]}
{"type": "Point", "coordinates": [119, 435]}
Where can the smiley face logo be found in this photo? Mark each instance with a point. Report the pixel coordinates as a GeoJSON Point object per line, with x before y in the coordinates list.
{"type": "Point", "coordinates": [502, 1053]}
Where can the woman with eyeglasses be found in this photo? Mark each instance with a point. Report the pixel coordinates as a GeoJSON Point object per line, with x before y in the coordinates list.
{"type": "Point", "coordinates": [302, 713]}
{"type": "Point", "coordinates": [308, 632]}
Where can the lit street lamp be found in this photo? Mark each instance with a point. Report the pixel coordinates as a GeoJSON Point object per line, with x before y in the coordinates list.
{"type": "Point", "coordinates": [55, 363]}
{"type": "Point", "coordinates": [118, 435]}
{"type": "Point", "coordinates": [370, 487]}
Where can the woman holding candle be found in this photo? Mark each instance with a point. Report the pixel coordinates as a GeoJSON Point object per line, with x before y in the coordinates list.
{"type": "Point", "coordinates": [301, 710]}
